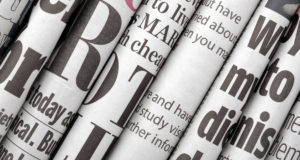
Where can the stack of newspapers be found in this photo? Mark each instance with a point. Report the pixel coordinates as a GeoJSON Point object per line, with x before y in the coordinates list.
{"type": "Point", "coordinates": [149, 79]}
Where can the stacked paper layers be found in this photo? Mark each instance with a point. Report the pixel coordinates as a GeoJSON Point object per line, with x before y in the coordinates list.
{"type": "Point", "coordinates": [149, 79]}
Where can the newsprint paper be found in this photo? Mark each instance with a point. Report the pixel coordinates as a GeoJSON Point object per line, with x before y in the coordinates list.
{"type": "Point", "coordinates": [25, 59]}
{"type": "Point", "coordinates": [138, 57]}
{"type": "Point", "coordinates": [215, 120]}
{"type": "Point", "coordinates": [170, 103]}
{"type": "Point", "coordinates": [12, 13]}
{"type": "Point", "coordinates": [58, 93]}
{"type": "Point", "coordinates": [287, 144]}
{"type": "Point", "coordinates": [266, 111]}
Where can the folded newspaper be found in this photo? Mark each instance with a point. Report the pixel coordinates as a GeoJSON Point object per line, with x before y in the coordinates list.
{"type": "Point", "coordinates": [58, 57]}
{"type": "Point", "coordinates": [265, 112]}
{"type": "Point", "coordinates": [12, 14]}
{"type": "Point", "coordinates": [60, 90]}
{"type": "Point", "coordinates": [171, 101]}
{"type": "Point", "coordinates": [142, 50]}
{"type": "Point", "coordinates": [26, 58]}
{"type": "Point", "coordinates": [287, 143]}
{"type": "Point", "coordinates": [216, 118]}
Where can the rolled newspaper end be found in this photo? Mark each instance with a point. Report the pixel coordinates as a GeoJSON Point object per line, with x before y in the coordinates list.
{"type": "Point", "coordinates": [141, 51]}
{"type": "Point", "coordinates": [171, 101]}
{"type": "Point", "coordinates": [287, 144]}
{"type": "Point", "coordinates": [266, 111]}
{"type": "Point", "coordinates": [60, 90]}
{"type": "Point", "coordinates": [12, 14]}
{"type": "Point", "coordinates": [27, 56]}
{"type": "Point", "coordinates": [215, 120]}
